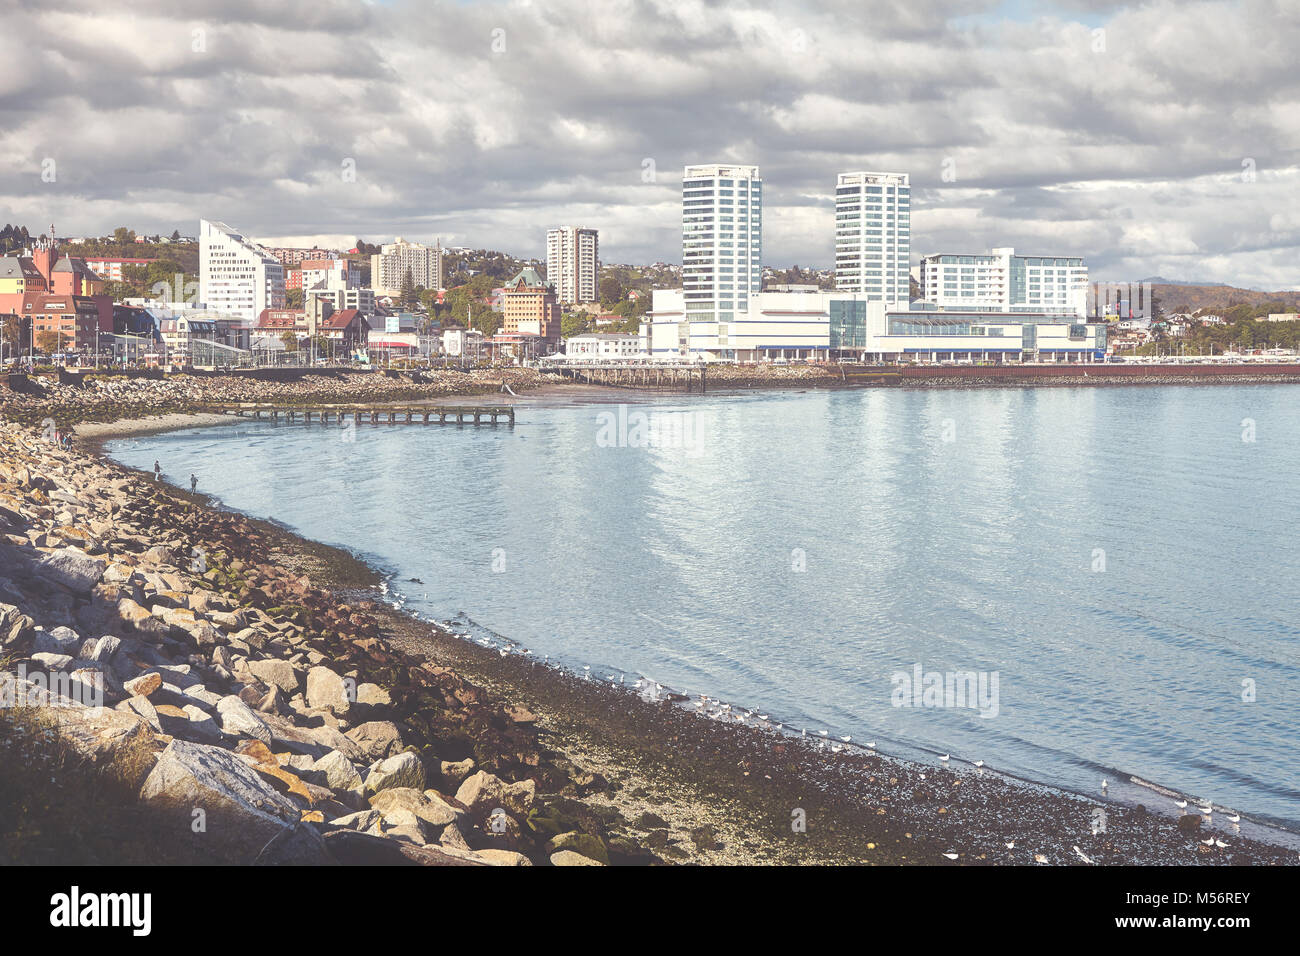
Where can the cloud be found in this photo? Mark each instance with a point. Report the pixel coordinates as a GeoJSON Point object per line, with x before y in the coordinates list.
{"type": "Point", "coordinates": [1113, 131]}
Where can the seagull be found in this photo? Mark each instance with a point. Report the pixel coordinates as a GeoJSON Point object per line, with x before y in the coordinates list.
{"type": "Point", "coordinates": [1039, 858]}
{"type": "Point", "coordinates": [1104, 785]}
{"type": "Point", "coordinates": [824, 733]}
{"type": "Point", "coordinates": [1180, 804]}
{"type": "Point", "coordinates": [1081, 855]}
{"type": "Point", "coordinates": [1235, 818]}
{"type": "Point", "coordinates": [1011, 845]}
{"type": "Point", "coordinates": [871, 745]}
{"type": "Point", "coordinates": [1220, 844]}
{"type": "Point", "coordinates": [846, 738]}
{"type": "Point", "coordinates": [979, 763]}
{"type": "Point", "coordinates": [1209, 842]}
{"type": "Point", "coordinates": [945, 758]}
{"type": "Point", "coordinates": [951, 856]}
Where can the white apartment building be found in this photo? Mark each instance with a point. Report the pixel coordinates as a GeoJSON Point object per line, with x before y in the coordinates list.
{"type": "Point", "coordinates": [603, 347]}
{"type": "Point", "coordinates": [573, 264]}
{"type": "Point", "coordinates": [722, 243]}
{"type": "Point", "coordinates": [390, 265]}
{"type": "Point", "coordinates": [1002, 281]}
{"type": "Point", "coordinates": [330, 274]}
{"type": "Point", "coordinates": [236, 275]}
{"type": "Point", "coordinates": [363, 300]}
{"type": "Point", "coordinates": [873, 235]}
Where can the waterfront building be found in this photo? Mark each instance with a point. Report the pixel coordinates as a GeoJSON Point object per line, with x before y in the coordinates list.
{"type": "Point", "coordinates": [573, 264]}
{"type": "Point", "coordinates": [236, 275]}
{"type": "Point", "coordinates": [1002, 281]}
{"type": "Point", "coordinates": [389, 266]}
{"type": "Point", "coordinates": [603, 347]}
{"type": "Point", "coordinates": [873, 235]}
{"type": "Point", "coordinates": [802, 326]}
{"type": "Point", "coordinates": [722, 245]}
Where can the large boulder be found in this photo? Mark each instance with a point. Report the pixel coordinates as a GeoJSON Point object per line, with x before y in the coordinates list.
{"type": "Point", "coordinates": [98, 733]}
{"type": "Point", "coordinates": [244, 819]}
{"type": "Point", "coordinates": [239, 720]}
{"type": "Point", "coordinates": [403, 770]}
{"type": "Point", "coordinates": [376, 738]}
{"type": "Point", "coordinates": [326, 690]}
{"type": "Point", "coordinates": [428, 806]}
{"type": "Point", "coordinates": [484, 792]}
{"type": "Point", "coordinates": [276, 673]}
{"type": "Point", "coordinates": [72, 568]}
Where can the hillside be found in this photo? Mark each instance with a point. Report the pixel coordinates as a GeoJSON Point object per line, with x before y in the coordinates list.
{"type": "Point", "coordinates": [1220, 298]}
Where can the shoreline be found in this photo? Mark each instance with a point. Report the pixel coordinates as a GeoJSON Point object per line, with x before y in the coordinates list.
{"type": "Point", "coordinates": [638, 745]}
{"type": "Point", "coordinates": [661, 784]}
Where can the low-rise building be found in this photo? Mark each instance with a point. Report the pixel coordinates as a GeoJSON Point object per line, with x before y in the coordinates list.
{"type": "Point", "coordinates": [603, 347]}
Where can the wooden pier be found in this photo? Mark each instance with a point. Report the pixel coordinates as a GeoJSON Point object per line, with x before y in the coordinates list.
{"type": "Point", "coordinates": [370, 414]}
{"type": "Point", "coordinates": [688, 378]}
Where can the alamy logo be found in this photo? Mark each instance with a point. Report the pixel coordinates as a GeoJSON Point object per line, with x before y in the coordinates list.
{"type": "Point", "coordinates": [36, 689]}
{"type": "Point", "coordinates": [75, 909]}
{"type": "Point", "coordinates": [635, 428]}
{"type": "Point", "coordinates": [977, 690]}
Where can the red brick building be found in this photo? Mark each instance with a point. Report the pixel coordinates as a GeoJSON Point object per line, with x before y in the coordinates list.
{"type": "Point", "coordinates": [53, 293]}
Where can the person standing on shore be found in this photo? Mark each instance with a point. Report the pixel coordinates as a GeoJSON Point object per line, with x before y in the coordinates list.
{"type": "Point", "coordinates": [157, 471]}
{"type": "Point", "coordinates": [194, 482]}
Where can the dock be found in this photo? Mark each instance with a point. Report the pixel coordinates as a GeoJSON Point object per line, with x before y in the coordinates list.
{"type": "Point", "coordinates": [369, 414]}
{"type": "Point", "coordinates": [685, 378]}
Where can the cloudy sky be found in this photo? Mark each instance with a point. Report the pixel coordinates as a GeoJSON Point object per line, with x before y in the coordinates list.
{"type": "Point", "coordinates": [1160, 138]}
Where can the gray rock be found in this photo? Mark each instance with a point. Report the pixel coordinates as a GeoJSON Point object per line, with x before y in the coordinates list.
{"type": "Point", "coordinates": [431, 809]}
{"type": "Point", "coordinates": [245, 819]}
{"type": "Point", "coordinates": [276, 673]}
{"type": "Point", "coordinates": [239, 720]}
{"type": "Point", "coordinates": [201, 725]}
{"type": "Point", "coordinates": [51, 661]}
{"type": "Point", "coordinates": [61, 640]}
{"type": "Point", "coordinates": [72, 568]}
{"type": "Point", "coordinates": [377, 738]}
{"type": "Point", "coordinates": [326, 690]}
{"type": "Point", "coordinates": [338, 771]}
{"type": "Point", "coordinates": [402, 770]}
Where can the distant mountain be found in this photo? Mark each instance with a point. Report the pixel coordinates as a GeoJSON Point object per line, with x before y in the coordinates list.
{"type": "Point", "coordinates": [1217, 297]}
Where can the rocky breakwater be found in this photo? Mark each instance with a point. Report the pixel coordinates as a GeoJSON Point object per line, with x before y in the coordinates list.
{"type": "Point", "coordinates": [101, 398]}
{"type": "Point", "coordinates": [276, 723]}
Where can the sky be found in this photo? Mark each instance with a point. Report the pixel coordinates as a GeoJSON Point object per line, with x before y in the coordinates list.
{"type": "Point", "coordinates": [1158, 138]}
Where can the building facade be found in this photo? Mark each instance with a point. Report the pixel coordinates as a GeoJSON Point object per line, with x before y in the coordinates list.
{"type": "Point", "coordinates": [1002, 281]}
{"type": "Point", "coordinates": [529, 307]}
{"type": "Point", "coordinates": [603, 347]}
{"type": "Point", "coordinates": [873, 235]}
{"type": "Point", "coordinates": [54, 294]}
{"type": "Point", "coordinates": [236, 275]}
{"type": "Point", "coordinates": [722, 243]}
{"type": "Point", "coordinates": [389, 266]}
{"type": "Point", "coordinates": [803, 326]}
{"type": "Point", "coordinates": [573, 264]}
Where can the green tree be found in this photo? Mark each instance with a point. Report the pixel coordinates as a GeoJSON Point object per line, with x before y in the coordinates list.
{"type": "Point", "coordinates": [293, 298]}
{"type": "Point", "coordinates": [49, 342]}
{"type": "Point", "coordinates": [611, 292]}
{"type": "Point", "coordinates": [408, 295]}
{"type": "Point", "coordinates": [123, 235]}
{"type": "Point", "coordinates": [290, 339]}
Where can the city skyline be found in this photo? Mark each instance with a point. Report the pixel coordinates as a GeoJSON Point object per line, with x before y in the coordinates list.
{"type": "Point", "coordinates": [1109, 134]}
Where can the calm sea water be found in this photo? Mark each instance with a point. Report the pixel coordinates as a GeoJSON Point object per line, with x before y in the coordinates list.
{"type": "Point", "coordinates": [1122, 558]}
